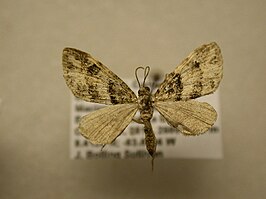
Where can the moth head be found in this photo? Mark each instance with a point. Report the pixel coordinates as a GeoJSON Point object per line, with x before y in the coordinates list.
{"type": "Point", "coordinates": [144, 90]}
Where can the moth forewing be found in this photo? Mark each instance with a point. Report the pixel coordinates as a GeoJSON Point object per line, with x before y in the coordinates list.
{"type": "Point", "coordinates": [197, 75]}
{"type": "Point", "coordinates": [190, 117]}
{"type": "Point", "coordinates": [105, 125]}
{"type": "Point", "coordinates": [90, 80]}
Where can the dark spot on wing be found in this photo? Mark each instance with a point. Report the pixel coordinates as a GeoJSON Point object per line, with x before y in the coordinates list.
{"type": "Point", "coordinates": [112, 92]}
{"type": "Point", "coordinates": [212, 84]}
{"type": "Point", "coordinates": [178, 97]}
{"type": "Point", "coordinates": [81, 56]}
{"type": "Point", "coordinates": [93, 91]}
{"type": "Point", "coordinates": [196, 64]}
{"type": "Point", "coordinates": [214, 60]}
{"type": "Point", "coordinates": [179, 85]}
{"type": "Point", "coordinates": [113, 99]}
{"type": "Point", "coordinates": [99, 63]}
{"type": "Point", "coordinates": [197, 88]}
{"type": "Point", "coordinates": [194, 95]}
{"type": "Point", "coordinates": [170, 91]}
{"type": "Point", "coordinates": [93, 70]}
{"type": "Point", "coordinates": [69, 65]}
{"type": "Point", "coordinates": [175, 86]}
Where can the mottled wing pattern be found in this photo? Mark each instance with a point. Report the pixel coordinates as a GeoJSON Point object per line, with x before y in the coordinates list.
{"type": "Point", "coordinates": [198, 75]}
{"type": "Point", "coordinates": [105, 125]}
{"type": "Point", "coordinates": [91, 81]}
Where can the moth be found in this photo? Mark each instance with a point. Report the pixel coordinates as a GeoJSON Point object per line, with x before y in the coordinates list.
{"type": "Point", "coordinates": [199, 74]}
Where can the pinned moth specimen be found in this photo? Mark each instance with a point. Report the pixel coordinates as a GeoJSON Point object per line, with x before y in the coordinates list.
{"type": "Point", "coordinates": [197, 75]}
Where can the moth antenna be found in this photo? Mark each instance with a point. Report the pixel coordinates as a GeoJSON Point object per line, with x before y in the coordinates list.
{"type": "Point", "coordinates": [136, 73]}
{"type": "Point", "coordinates": [146, 73]}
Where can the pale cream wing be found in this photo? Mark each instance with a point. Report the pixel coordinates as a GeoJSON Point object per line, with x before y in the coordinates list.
{"type": "Point", "coordinates": [91, 81]}
{"type": "Point", "coordinates": [198, 75]}
{"type": "Point", "coordinates": [190, 117]}
{"type": "Point", "coordinates": [105, 125]}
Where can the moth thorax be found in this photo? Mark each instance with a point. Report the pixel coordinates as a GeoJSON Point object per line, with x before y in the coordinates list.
{"type": "Point", "coordinates": [145, 103]}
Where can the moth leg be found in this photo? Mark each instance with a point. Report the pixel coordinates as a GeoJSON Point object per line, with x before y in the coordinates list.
{"type": "Point", "coordinates": [137, 120]}
{"type": "Point", "coordinates": [103, 147]}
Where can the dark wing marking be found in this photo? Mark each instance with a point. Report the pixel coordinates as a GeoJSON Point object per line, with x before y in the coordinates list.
{"type": "Point", "coordinates": [91, 81]}
{"type": "Point", "coordinates": [198, 75]}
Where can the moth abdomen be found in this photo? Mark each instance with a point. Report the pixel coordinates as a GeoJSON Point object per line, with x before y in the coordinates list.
{"type": "Point", "coordinates": [150, 139]}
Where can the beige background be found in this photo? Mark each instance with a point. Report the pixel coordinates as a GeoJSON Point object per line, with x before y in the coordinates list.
{"type": "Point", "coordinates": [34, 114]}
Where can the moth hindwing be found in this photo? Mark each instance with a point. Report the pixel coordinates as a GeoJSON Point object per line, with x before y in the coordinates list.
{"type": "Point", "coordinates": [197, 75]}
